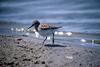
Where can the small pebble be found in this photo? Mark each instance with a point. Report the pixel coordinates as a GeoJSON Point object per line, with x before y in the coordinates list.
{"type": "Point", "coordinates": [26, 59]}
{"type": "Point", "coordinates": [17, 42]}
{"type": "Point", "coordinates": [15, 58]}
{"type": "Point", "coordinates": [31, 48]}
{"type": "Point", "coordinates": [43, 62]}
{"type": "Point", "coordinates": [80, 64]}
{"type": "Point", "coordinates": [17, 63]}
{"type": "Point", "coordinates": [36, 62]}
{"type": "Point", "coordinates": [19, 39]}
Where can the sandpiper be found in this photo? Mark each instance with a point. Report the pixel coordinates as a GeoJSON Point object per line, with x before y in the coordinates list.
{"type": "Point", "coordinates": [44, 30]}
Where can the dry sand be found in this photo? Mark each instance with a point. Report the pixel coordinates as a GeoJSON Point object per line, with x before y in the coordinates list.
{"type": "Point", "coordinates": [25, 52]}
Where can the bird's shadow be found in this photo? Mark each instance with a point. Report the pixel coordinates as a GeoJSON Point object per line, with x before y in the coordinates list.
{"type": "Point", "coordinates": [54, 45]}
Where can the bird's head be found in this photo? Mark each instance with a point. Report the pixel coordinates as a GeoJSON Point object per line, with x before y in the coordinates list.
{"type": "Point", "coordinates": [35, 23]}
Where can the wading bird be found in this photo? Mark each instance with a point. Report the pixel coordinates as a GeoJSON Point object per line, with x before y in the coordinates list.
{"type": "Point", "coordinates": [44, 30]}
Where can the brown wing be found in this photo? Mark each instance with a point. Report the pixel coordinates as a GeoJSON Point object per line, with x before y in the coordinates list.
{"type": "Point", "coordinates": [48, 26]}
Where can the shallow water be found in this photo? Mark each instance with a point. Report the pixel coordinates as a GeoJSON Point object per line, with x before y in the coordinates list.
{"type": "Point", "coordinates": [82, 17]}
{"type": "Point", "coordinates": [61, 37]}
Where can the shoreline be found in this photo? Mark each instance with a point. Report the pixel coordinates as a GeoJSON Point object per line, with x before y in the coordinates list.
{"type": "Point", "coordinates": [19, 51]}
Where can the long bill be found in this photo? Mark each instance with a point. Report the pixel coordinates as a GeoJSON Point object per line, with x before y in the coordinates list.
{"type": "Point", "coordinates": [30, 26]}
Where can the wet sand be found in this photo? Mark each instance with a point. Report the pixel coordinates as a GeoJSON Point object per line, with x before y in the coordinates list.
{"type": "Point", "coordinates": [21, 51]}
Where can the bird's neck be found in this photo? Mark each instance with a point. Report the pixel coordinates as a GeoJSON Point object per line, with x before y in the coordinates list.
{"type": "Point", "coordinates": [36, 28]}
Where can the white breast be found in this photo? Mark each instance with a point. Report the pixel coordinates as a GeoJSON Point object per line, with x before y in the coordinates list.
{"type": "Point", "coordinates": [46, 32]}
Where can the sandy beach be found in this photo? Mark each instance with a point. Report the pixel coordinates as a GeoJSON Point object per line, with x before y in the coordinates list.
{"type": "Point", "coordinates": [21, 52]}
{"type": "Point", "coordinates": [75, 24]}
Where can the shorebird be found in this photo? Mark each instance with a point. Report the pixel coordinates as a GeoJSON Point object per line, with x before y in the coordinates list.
{"type": "Point", "coordinates": [44, 30]}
